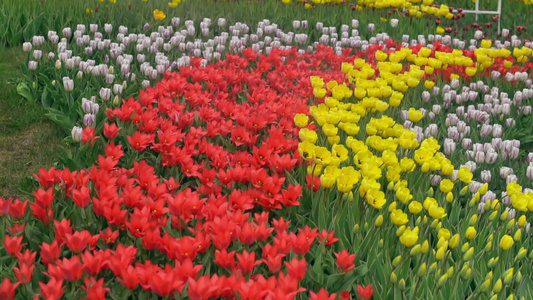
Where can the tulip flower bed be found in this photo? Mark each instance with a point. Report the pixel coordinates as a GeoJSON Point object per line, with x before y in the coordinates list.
{"type": "Point", "coordinates": [266, 163]}
{"type": "Point", "coordinates": [200, 189]}
{"type": "Point", "coordinates": [181, 200]}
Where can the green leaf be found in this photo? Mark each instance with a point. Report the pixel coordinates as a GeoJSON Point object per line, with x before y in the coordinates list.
{"type": "Point", "coordinates": [17, 38]}
{"type": "Point", "coordinates": [361, 270]}
{"type": "Point", "coordinates": [24, 90]}
{"type": "Point", "coordinates": [334, 280]}
{"type": "Point", "coordinates": [23, 20]}
{"type": "Point", "coordinates": [60, 118]}
{"type": "Point", "coordinates": [45, 100]}
{"type": "Point", "coordinates": [317, 271]}
{"type": "Point", "coordinates": [46, 80]}
{"type": "Point", "coordinates": [27, 32]}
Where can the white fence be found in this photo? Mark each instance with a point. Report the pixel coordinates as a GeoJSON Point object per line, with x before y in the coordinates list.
{"type": "Point", "coordinates": [487, 12]}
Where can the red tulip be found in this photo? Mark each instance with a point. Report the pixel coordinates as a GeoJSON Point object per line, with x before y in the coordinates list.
{"type": "Point", "coordinates": [296, 268]}
{"type": "Point", "coordinates": [95, 288]}
{"type": "Point", "coordinates": [345, 261]}
{"type": "Point", "coordinates": [54, 289]}
{"type": "Point", "coordinates": [365, 293]}
{"type": "Point", "coordinates": [13, 245]}
{"type": "Point", "coordinates": [322, 295]}
{"type": "Point", "coordinates": [7, 289]}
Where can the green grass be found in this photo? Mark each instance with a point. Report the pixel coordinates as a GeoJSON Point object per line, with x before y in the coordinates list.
{"type": "Point", "coordinates": [28, 141]}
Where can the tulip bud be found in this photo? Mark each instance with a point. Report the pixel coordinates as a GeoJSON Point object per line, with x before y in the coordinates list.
{"type": "Point", "coordinates": [465, 247]}
{"type": "Point", "coordinates": [518, 277]}
{"type": "Point", "coordinates": [442, 280]}
{"type": "Point", "coordinates": [32, 65]}
{"type": "Point", "coordinates": [77, 133]}
{"type": "Point", "coordinates": [68, 84]}
{"type": "Point", "coordinates": [506, 242]}
{"type": "Point", "coordinates": [529, 171]}
{"type": "Point", "coordinates": [493, 215]}
{"type": "Point", "coordinates": [493, 261]}
{"type": "Point", "coordinates": [454, 241]}
{"type": "Point", "coordinates": [463, 191]}
{"type": "Point", "coordinates": [440, 253]}
{"type": "Point", "coordinates": [468, 255]}
{"type": "Point", "coordinates": [485, 286]}
{"type": "Point", "coordinates": [471, 231]}
{"type": "Point", "coordinates": [489, 275]}
{"type": "Point", "coordinates": [401, 284]}
{"type": "Point", "coordinates": [521, 254]}
{"type": "Point", "coordinates": [433, 267]}
{"type": "Point", "coordinates": [497, 286]}
{"type": "Point", "coordinates": [105, 93]}
{"type": "Point", "coordinates": [421, 270]}
{"type": "Point", "coordinates": [393, 277]}
{"type": "Point", "coordinates": [508, 276]}
{"type": "Point", "coordinates": [442, 243]}
{"type": "Point", "coordinates": [450, 271]}
{"type": "Point", "coordinates": [89, 119]}
{"type": "Point", "coordinates": [145, 84]}
{"type": "Point", "coordinates": [296, 24]}
{"type": "Point", "coordinates": [435, 223]}
{"type": "Point", "coordinates": [400, 230]}
{"type": "Point", "coordinates": [504, 215]}
{"type": "Point", "coordinates": [488, 246]}
{"type": "Point", "coordinates": [26, 47]}
{"type": "Point", "coordinates": [396, 261]}
{"type": "Point", "coordinates": [379, 221]}
{"type": "Point", "coordinates": [463, 271]}
{"type": "Point", "coordinates": [518, 235]}
{"type": "Point", "coordinates": [415, 250]}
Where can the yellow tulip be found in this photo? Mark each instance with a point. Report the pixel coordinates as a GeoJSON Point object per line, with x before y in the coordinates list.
{"type": "Point", "coordinates": [437, 212]}
{"type": "Point", "coordinates": [301, 120]}
{"type": "Point", "coordinates": [159, 15]}
{"type": "Point", "coordinates": [465, 175]}
{"type": "Point", "coordinates": [522, 221]}
{"type": "Point", "coordinates": [375, 198]}
{"type": "Point", "coordinates": [518, 235]}
{"type": "Point", "coordinates": [415, 207]}
{"type": "Point", "coordinates": [446, 186]}
{"type": "Point", "coordinates": [486, 44]}
{"type": "Point", "coordinates": [440, 253]}
{"type": "Point", "coordinates": [409, 237]}
{"type": "Point", "coordinates": [428, 84]}
{"type": "Point", "coordinates": [415, 115]}
{"type": "Point", "coordinates": [471, 71]}
{"type": "Point", "coordinates": [506, 242]}
{"type": "Point", "coordinates": [398, 217]}
{"type": "Point", "coordinates": [319, 92]}
{"type": "Point", "coordinates": [444, 233]}
{"type": "Point", "coordinates": [470, 232]}
{"type": "Point", "coordinates": [379, 221]}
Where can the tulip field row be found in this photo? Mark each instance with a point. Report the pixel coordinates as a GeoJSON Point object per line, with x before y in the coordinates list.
{"type": "Point", "coordinates": [216, 158]}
